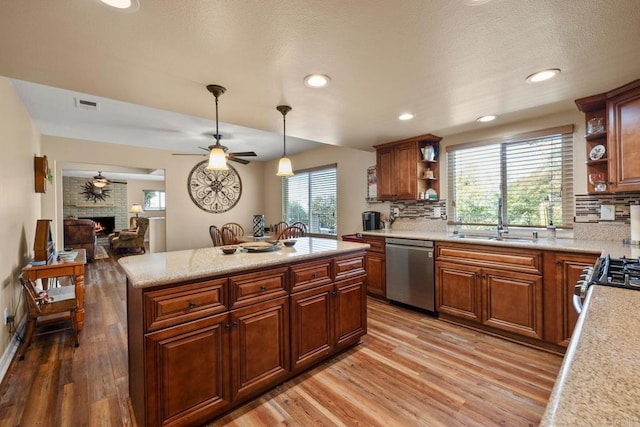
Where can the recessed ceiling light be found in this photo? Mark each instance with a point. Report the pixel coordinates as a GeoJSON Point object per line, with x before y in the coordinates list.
{"type": "Point", "coordinates": [484, 119]}
{"type": "Point", "coordinates": [317, 80]}
{"type": "Point", "coordinates": [129, 5]}
{"type": "Point", "coordinates": [406, 116]}
{"type": "Point", "coordinates": [543, 75]}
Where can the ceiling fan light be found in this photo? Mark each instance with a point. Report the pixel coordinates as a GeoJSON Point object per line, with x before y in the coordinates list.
{"type": "Point", "coordinates": [217, 160]}
{"type": "Point", "coordinates": [284, 167]}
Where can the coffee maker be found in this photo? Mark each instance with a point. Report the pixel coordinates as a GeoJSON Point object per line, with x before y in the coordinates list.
{"type": "Point", "coordinates": [370, 220]}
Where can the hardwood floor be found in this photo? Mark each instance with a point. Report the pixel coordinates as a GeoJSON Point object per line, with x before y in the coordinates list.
{"type": "Point", "coordinates": [410, 370]}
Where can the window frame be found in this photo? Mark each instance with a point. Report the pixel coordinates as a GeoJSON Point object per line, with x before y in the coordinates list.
{"type": "Point", "coordinates": [309, 171]}
{"type": "Point", "coordinates": [565, 135]}
{"type": "Point", "coordinates": [162, 198]}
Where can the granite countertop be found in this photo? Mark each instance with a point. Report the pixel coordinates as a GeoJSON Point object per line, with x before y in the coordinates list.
{"type": "Point", "coordinates": [599, 381]}
{"type": "Point", "coordinates": [599, 247]}
{"type": "Point", "coordinates": [169, 267]}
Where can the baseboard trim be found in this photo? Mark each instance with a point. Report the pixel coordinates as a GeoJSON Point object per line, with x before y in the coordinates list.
{"type": "Point", "coordinates": [12, 349]}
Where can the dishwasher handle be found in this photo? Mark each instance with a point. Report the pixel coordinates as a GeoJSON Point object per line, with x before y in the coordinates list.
{"type": "Point", "coordinates": [392, 241]}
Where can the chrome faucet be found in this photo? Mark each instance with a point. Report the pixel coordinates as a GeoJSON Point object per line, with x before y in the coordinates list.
{"type": "Point", "coordinates": [501, 229]}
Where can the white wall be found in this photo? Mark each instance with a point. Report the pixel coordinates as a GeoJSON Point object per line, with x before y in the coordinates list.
{"type": "Point", "coordinates": [352, 184]}
{"type": "Point", "coordinates": [187, 225]}
{"type": "Point", "coordinates": [20, 142]}
{"type": "Point", "coordinates": [135, 193]}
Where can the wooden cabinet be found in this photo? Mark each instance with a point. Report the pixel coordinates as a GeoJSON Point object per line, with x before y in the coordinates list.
{"type": "Point", "coordinates": [326, 319]}
{"type": "Point", "coordinates": [198, 349]}
{"type": "Point", "coordinates": [619, 111]}
{"type": "Point", "coordinates": [181, 392]}
{"type": "Point", "coordinates": [402, 172]}
{"type": "Point", "coordinates": [624, 137]}
{"type": "Point", "coordinates": [375, 264]}
{"type": "Point", "coordinates": [499, 288]}
{"type": "Point", "coordinates": [259, 347]}
{"type": "Point", "coordinates": [562, 271]}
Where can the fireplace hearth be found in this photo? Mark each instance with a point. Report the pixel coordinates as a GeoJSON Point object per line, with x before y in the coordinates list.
{"type": "Point", "coordinates": [104, 224]}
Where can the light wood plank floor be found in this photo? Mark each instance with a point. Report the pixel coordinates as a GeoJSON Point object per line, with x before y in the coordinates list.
{"type": "Point", "coordinates": [410, 370]}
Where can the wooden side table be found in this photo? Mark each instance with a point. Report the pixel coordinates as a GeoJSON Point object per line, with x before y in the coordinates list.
{"type": "Point", "coordinates": [55, 268]}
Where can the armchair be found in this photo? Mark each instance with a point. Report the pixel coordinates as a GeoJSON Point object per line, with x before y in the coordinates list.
{"type": "Point", "coordinates": [81, 234]}
{"type": "Point", "coordinates": [132, 239]}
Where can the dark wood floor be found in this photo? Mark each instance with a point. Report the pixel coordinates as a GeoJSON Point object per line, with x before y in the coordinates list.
{"type": "Point", "coordinates": [410, 370]}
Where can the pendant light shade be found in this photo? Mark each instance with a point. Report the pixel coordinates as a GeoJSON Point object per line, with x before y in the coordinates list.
{"type": "Point", "coordinates": [284, 165]}
{"type": "Point", "coordinates": [217, 156]}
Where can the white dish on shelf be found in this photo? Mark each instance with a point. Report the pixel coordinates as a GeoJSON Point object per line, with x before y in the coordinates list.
{"type": "Point", "coordinates": [597, 152]}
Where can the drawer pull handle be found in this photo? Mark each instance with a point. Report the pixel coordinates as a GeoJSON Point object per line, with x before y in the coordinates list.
{"type": "Point", "coordinates": [235, 324]}
{"type": "Point", "coordinates": [314, 276]}
{"type": "Point", "coordinates": [192, 305]}
{"type": "Point", "coordinates": [334, 293]}
{"type": "Point", "coordinates": [227, 326]}
{"type": "Point", "coordinates": [263, 288]}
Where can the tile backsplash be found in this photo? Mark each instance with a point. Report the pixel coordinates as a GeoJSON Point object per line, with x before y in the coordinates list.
{"type": "Point", "coordinates": [589, 225]}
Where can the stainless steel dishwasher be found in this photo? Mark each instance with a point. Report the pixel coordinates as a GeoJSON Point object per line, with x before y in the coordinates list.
{"type": "Point", "coordinates": [410, 272]}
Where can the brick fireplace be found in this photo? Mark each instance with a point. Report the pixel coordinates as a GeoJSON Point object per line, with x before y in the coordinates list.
{"type": "Point", "coordinates": [104, 224]}
{"type": "Point", "coordinates": [114, 208]}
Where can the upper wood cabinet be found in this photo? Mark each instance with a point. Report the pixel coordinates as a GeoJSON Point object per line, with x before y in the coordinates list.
{"type": "Point", "coordinates": [619, 112]}
{"type": "Point", "coordinates": [403, 172]}
{"type": "Point", "coordinates": [40, 169]}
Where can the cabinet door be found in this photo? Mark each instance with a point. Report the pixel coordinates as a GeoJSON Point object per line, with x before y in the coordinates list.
{"type": "Point", "coordinates": [376, 274]}
{"type": "Point", "coordinates": [259, 346]}
{"type": "Point", "coordinates": [567, 272]}
{"type": "Point", "coordinates": [624, 134]}
{"type": "Point", "coordinates": [350, 311]}
{"type": "Point", "coordinates": [512, 302]}
{"type": "Point", "coordinates": [405, 179]}
{"type": "Point", "coordinates": [384, 172]}
{"type": "Point", "coordinates": [183, 388]}
{"type": "Point", "coordinates": [458, 290]}
{"type": "Point", "coordinates": [311, 326]}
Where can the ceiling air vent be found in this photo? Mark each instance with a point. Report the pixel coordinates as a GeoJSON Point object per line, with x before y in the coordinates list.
{"type": "Point", "coordinates": [87, 105]}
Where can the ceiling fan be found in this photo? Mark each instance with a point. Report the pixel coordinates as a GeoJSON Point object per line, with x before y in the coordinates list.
{"type": "Point", "coordinates": [100, 181]}
{"type": "Point", "coordinates": [235, 157]}
{"type": "Point", "coordinates": [218, 148]}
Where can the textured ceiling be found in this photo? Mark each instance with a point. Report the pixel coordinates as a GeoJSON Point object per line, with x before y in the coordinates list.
{"type": "Point", "coordinates": [443, 60]}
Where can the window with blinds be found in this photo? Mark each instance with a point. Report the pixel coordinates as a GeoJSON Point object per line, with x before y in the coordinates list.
{"type": "Point", "coordinates": [532, 173]}
{"type": "Point", "coordinates": [310, 197]}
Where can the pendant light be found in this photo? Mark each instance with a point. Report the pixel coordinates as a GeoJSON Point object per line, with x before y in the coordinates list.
{"type": "Point", "coordinates": [284, 166]}
{"type": "Point", "coordinates": [217, 156]}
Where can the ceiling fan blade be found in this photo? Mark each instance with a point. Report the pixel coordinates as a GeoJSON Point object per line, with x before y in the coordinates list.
{"type": "Point", "coordinates": [244, 154]}
{"type": "Point", "coordinates": [187, 154]}
{"type": "Point", "coordinates": [239, 160]}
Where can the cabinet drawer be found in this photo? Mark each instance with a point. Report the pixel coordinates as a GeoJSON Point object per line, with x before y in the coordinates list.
{"type": "Point", "coordinates": [348, 266]}
{"type": "Point", "coordinates": [515, 259]}
{"type": "Point", "coordinates": [310, 275]}
{"type": "Point", "coordinates": [256, 287]}
{"type": "Point", "coordinates": [184, 303]}
{"type": "Point", "coordinates": [376, 243]}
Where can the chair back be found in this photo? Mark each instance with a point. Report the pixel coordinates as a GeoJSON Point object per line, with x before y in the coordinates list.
{"type": "Point", "coordinates": [216, 238]}
{"type": "Point", "coordinates": [30, 295]}
{"type": "Point", "coordinates": [301, 225]}
{"type": "Point", "coordinates": [143, 224]}
{"type": "Point", "coordinates": [277, 228]}
{"type": "Point", "coordinates": [291, 232]}
{"type": "Point", "coordinates": [236, 228]}
{"type": "Point", "coordinates": [228, 236]}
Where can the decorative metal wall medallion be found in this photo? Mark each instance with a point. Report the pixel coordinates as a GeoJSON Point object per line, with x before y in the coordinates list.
{"type": "Point", "coordinates": [93, 193]}
{"type": "Point", "coordinates": [214, 191]}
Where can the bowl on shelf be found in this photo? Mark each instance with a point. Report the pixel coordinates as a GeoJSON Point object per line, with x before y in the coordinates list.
{"type": "Point", "coordinates": [289, 242]}
{"type": "Point", "coordinates": [67, 256]}
{"type": "Point", "coordinates": [228, 249]}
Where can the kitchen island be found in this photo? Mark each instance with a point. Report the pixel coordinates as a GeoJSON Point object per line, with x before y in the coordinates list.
{"type": "Point", "coordinates": [209, 331]}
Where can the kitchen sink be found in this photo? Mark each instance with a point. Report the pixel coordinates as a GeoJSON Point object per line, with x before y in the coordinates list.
{"type": "Point", "coordinates": [495, 238]}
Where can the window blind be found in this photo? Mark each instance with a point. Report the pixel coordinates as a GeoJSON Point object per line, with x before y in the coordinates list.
{"type": "Point", "coordinates": [310, 197]}
{"type": "Point", "coordinates": [532, 173]}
